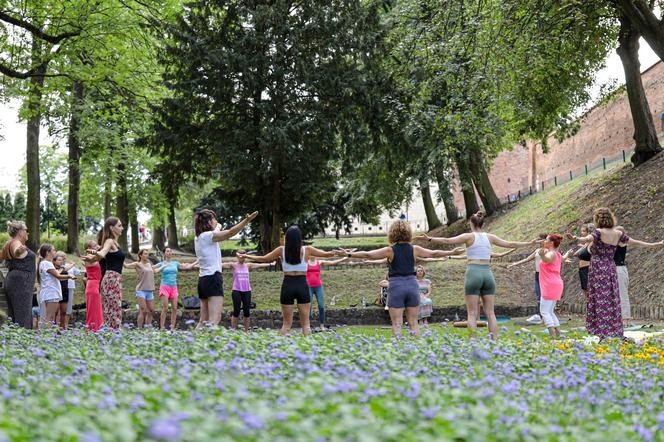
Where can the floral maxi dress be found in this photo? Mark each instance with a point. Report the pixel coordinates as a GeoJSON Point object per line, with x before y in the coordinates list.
{"type": "Point", "coordinates": [603, 317]}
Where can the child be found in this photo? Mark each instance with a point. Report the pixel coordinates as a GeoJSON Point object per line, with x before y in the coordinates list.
{"type": "Point", "coordinates": [426, 304]}
{"type": "Point", "coordinates": [241, 293]}
{"type": "Point", "coordinates": [144, 288]}
{"type": "Point", "coordinates": [94, 317]}
{"type": "Point", "coordinates": [50, 291]}
{"type": "Point", "coordinates": [551, 284]}
{"type": "Point", "coordinates": [168, 289]}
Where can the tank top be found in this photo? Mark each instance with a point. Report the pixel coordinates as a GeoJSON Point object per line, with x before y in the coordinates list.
{"type": "Point", "coordinates": [313, 275]}
{"type": "Point", "coordinates": [93, 272]}
{"type": "Point", "coordinates": [619, 256]}
{"type": "Point", "coordinates": [145, 277]}
{"type": "Point", "coordinates": [241, 281]}
{"type": "Point", "coordinates": [538, 262]}
{"type": "Point", "coordinates": [25, 264]}
{"type": "Point", "coordinates": [584, 254]}
{"type": "Point", "coordinates": [403, 262]}
{"type": "Point", "coordinates": [286, 267]}
{"type": "Point", "coordinates": [481, 248]}
{"type": "Point", "coordinates": [112, 261]}
{"type": "Point", "coordinates": [551, 284]}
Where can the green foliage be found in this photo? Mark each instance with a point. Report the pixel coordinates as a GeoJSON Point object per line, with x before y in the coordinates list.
{"type": "Point", "coordinates": [260, 91]}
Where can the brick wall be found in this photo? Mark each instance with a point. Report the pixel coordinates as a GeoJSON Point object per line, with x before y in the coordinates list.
{"type": "Point", "coordinates": [605, 132]}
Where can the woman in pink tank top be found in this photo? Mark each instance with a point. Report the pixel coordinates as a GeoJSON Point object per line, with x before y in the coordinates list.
{"type": "Point", "coordinates": [551, 284]}
{"type": "Point", "coordinates": [241, 294]}
{"type": "Point", "coordinates": [316, 286]}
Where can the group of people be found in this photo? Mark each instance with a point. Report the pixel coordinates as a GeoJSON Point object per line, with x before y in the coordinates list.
{"type": "Point", "coordinates": [408, 291]}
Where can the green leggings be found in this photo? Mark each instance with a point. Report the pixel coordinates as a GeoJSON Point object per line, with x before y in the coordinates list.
{"type": "Point", "coordinates": [479, 280]}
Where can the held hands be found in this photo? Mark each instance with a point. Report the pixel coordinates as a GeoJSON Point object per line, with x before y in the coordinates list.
{"type": "Point", "coordinates": [569, 235]}
{"type": "Point", "coordinates": [458, 250]}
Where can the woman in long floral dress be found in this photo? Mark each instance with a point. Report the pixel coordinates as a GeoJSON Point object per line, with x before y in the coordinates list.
{"type": "Point", "coordinates": [603, 316]}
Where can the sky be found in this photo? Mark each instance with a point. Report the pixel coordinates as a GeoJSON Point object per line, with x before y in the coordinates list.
{"type": "Point", "coordinates": [13, 132]}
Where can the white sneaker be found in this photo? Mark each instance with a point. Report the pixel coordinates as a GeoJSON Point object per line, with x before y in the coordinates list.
{"type": "Point", "coordinates": [534, 319]}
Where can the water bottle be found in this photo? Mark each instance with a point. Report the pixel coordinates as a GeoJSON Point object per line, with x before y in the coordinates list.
{"type": "Point", "coordinates": [456, 316]}
{"type": "Point", "coordinates": [364, 302]}
{"type": "Point", "coordinates": [333, 301]}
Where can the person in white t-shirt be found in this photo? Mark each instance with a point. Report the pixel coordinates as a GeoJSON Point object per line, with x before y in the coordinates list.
{"type": "Point", "coordinates": [208, 254]}
{"type": "Point", "coordinates": [50, 290]}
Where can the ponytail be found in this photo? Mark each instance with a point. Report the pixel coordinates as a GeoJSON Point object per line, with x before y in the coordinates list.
{"type": "Point", "coordinates": [478, 219]}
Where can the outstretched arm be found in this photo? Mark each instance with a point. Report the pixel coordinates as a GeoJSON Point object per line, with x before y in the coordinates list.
{"type": "Point", "coordinates": [444, 258]}
{"type": "Point", "coordinates": [60, 276]}
{"type": "Point", "coordinates": [252, 265]}
{"type": "Point", "coordinates": [272, 256]}
{"type": "Point", "coordinates": [460, 239]}
{"type": "Point", "coordinates": [496, 240]}
{"type": "Point", "coordinates": [313, 251]}
{"type": "Point", "coordinates": [190, 266]}
{"type": "Point", "coordinates": [648, 245]}
{"type": "Point", "coordinates": [333, 262]}
{"type": "Point", "coordinates": [223, 235]}
{"type": "Point", "coordinates": [131, 265]}
{"type": "Point", "coordinates": [421, 252]}
{"type": "Point", "coordinates": [501, 254]}
{"type": "Point", "coordinates": [582, 239]}
{"type": "Point", "coordinates": [384, 253]}
{"type": "Point", "coordinates": [368, 261]}
{"type": "Point", "coordinates": [530, 257]}
{"type": "Point", "coordinates": [227, 265]}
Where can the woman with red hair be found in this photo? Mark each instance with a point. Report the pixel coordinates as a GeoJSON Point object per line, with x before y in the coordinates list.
{"type": "Point", "coordinates": [550, 282]}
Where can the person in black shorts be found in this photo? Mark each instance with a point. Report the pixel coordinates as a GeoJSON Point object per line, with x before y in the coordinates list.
{"type": "Point", "coordinates": [294, 256]}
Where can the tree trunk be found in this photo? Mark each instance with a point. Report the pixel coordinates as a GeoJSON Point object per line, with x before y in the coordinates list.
{"type": "Point", "coordinates": [122, 203]}
{"type": "Point", "coordinates": [108, 188]}
{"type": "Point", "coordinates": [158, 238]}
{"type": "Point", "coordinates": [429, 208]}
{"type": "Point", "coordinates": [78, 91]}
{"type": "Point", "coordinates": [645, 134]}
{"type": "Point", "coordinates": [482, 183]}
{"type": "Point", "coordinates": [644, 21]}
{"type": "Point", "coordinates": [270, 221]}
{"type": "Point", "coordinates": [133, 221]}
{"type": "Point", "coordinates": [445, 195]}
{"type": "Point", "coordinates": [173, 241]}
{"type": "Point", "coordinates": [469, 198]}
{"type": "Point", "coordinates": [35, 86]}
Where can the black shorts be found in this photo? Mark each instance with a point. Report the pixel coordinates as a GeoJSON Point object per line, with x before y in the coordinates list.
{"type": "Point", "coordinates": [210, 285]}
{"type": "Point", "coordinates": [65, 296]}
{"type": "Point", "coordinates": [583, 277]}
{"type": "Point", "coordinates": [295, 288]}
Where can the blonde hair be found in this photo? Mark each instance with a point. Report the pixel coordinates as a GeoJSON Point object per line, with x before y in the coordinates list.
{"type": "Point", "coordinates": [13, 227]}
{"type": "Point", "coordinates": [399, 231]}
{"type": "Point", "coordinates": [424, 272]}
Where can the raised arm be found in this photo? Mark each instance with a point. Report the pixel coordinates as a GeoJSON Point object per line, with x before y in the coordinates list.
{"type": "Point", "coordinates": [333, 262]}
{"type": "Point", "coordinates": [98, 255]}
{"type": "Point", "coordinates": [530, 257]}
{"type": "Point", "coordinates": [421, 252]}
{"type": "Point", "coordinates": [648, 245]}
{"type": "Point", "coordinates": [547, 255]}
{"type": "Point", "coordinates": [496, 240]}
{"type": "Point", "coordinates": [272, 256]}
{"type": "Point", "coordinates": [223, 235]}
{"type": "Point", "coordinates": [464, 238]}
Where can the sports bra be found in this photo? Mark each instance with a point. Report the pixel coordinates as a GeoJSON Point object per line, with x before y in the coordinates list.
{"type": "Point", "coordinates": [481, 248]}
{"type": "Point", "coordinates": [301, 267]}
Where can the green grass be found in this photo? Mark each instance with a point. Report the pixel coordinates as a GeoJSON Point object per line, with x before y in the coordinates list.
{"type": "Point", "coordinates": [551, 210]}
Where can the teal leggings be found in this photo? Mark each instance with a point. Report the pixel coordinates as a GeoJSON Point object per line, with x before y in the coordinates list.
{"type": "Point", "coordinates": [320, 300]}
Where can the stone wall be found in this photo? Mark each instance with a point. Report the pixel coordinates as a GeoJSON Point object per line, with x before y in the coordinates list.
{"type": "Point", "coordinates": [605, 132]}
{"type": "Point", "coordinates": [347, 316]}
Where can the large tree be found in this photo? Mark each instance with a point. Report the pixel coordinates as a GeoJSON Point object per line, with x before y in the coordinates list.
{"type": "Point", "coordinates": [260, 91]}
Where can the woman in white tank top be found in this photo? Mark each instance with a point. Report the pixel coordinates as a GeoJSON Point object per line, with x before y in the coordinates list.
{"type": "Point", "coordinates": [479, 278]}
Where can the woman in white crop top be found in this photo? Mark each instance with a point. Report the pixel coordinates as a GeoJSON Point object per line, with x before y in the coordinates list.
{"type": "Point", "coordinates": [294, 256]}
{"type": "Point", "coordinates": [479, 278]}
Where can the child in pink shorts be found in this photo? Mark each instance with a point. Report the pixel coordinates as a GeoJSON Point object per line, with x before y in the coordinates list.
{"type": "Point", "coordinates": [168, 289]}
